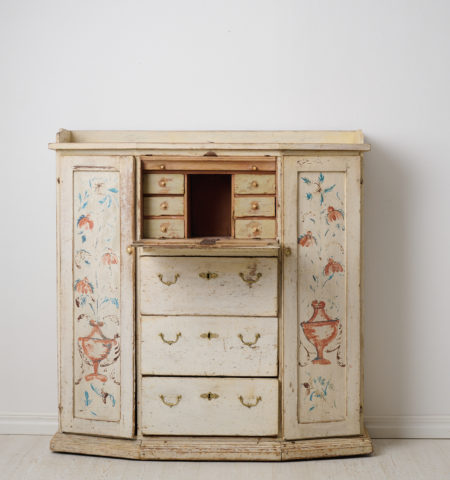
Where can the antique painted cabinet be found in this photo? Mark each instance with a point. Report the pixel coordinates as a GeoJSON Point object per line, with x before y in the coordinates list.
{"type": "Point", "coordinates": [209, 294]}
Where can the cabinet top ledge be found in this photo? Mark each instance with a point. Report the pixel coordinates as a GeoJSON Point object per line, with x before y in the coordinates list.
{"type": "Point", "coordinates": [350, 140]}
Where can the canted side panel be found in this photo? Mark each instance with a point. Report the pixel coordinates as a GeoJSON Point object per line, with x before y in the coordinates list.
{"type": "Point", "coordinates": [96, 295]}
{"type": "Point", "coordinates": [321, 244]}
{"type": "Point", "coordinates": [321, 296]}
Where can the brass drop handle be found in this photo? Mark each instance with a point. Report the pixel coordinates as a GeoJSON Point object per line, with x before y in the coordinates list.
{"type": "Point", "coordinates": [209, 335]}
{"type": "Point", "coordinates": [130, 249]}
{"type": "Point", "coordinates": [249, 344]}
{"type": "Point", "coordinates": [164, 228]}
{"type": "Point", "coordinates": [164, 205]}
{"type": "Point", "coordinates": [170, 404]}
{"type": "Point", "coordinates": [250, 281]}
{"type": "Point", "coordinates": [208, 275]}
{"type": "Point", "coordinates": [247, 404]}
{"type": "Point", "coordinates": [168, 282]}
{"type": "Point", "coordinates": [209, 396]}
{"type": "Point", "coordinates": [255, 206]}
{"type": "Point", "coordinates": [162, 182]}
{"type": "Point", "coordinates": [170, 342]}
{"type": "Point", "coordinates": [254, 184]}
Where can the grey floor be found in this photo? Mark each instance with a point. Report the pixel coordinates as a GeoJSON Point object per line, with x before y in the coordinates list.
{"type": "Point", "coordinates": [27, 457]}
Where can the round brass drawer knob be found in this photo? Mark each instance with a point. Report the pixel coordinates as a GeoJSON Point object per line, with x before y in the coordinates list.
{"type": "Point", "coordinates": [254, 167]}
{"type": "Point", "coordinates": [255, 206]}
{"type": "Point", "coordinates": [164, 206]}
{"type": "Point", "coordinates": [255, 230]}
{"type": "Point", "coordinates": [162, 167]}
{"type": "Point", "coordinates": [254, 184]}
{"type": "Point", "coordinates": [162, 183]}
{"type": "Point", "coordinates": [163, 228]}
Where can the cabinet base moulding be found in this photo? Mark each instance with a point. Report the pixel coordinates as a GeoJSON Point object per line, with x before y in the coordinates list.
{"type": "Point", "coordinates": [189, 448]}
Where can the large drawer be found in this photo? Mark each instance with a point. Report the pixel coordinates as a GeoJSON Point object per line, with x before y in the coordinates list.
{"type": "Point", "coordinates": [209, 406]}
{"type": "Point", "coordinates": [222, 346]}
{"type": "Point", "coordinates": [208, 286]}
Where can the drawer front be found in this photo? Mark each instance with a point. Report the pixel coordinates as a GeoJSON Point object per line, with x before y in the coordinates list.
{"type": "Point", "coordinates": [209, 406]}
{"type": "Point", "coordinates": [248, 183]}
{"type": "Point", "coordinates": [211, 346]}
{"type": "Point", "coordinates": [255, 228]}
{"type": "Point", "coordinates": [208, 286]}
{"type": "Point", "coordinates": [163, 206]}
{"type": "Point", "coordinates": [163, 228]}
{"type": "Point", "coordinates": [254, 206]}
{"type": "Point", "coordinates": [163, 183]}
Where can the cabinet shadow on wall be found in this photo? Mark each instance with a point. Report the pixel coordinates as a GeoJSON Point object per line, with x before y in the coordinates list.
{"type": "Point", "coordinates": [387, 259]}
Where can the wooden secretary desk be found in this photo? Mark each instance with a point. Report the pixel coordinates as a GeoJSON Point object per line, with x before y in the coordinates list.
{"type": "Point", "coordinates": [209, 294]}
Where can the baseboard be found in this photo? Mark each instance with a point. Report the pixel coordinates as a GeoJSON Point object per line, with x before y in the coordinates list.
{"type": "Point", "coordinates": [28, 423]}
{"type": "Point", "coordinates": [408, 426]}
{"type": "Point", "coordinates": [396, 426]}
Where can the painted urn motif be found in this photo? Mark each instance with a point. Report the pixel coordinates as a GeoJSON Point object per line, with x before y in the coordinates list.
{"type": "Point", "coordinates": [320, 330]}
{"type": "Point", "coordinates": [96, 347]}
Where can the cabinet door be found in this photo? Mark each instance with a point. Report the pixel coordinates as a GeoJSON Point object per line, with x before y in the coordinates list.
{"type": "Point", "coordinates": [96, 301]}
{"type": "Point", "coordinates": [321, 296]}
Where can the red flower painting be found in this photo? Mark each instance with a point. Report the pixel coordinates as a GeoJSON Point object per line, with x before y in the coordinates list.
{"type": "Point", "coordinates": [85, 222]}
{"type": "Point", "coordinates": [334, 215]}
{"type": "Point", "coordinates": [307, 239]}
{"type": "Point", "coordinates": [83, 286]}
{"type": "Point", "coordinates": [110, 258]}
{"type": "Point", "coordinates": [333, 267]}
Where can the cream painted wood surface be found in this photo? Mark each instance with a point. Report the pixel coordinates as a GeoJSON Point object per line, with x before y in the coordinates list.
{"type": "Point", "coordinates": [96, 295]}
{"type": "Point", "coordinates": [254, 207]}
{"type": "Point", "coordinates": [321, 296]}
{"type": "Point", "coordinates": [255, 228]}
{"type": "Point", "coordinates": [164, 228]}
{"type": "Point", "coordinates": [212, 346]}
{"type": "Point", "coordinates": [163, 206]}
{"type": "Point", "coordinates": [209, 406]}
{"type": "Point", "coordinates": [208, 286]}
{"type": "Point", "coordinates": [254, 184]}
{"type": "Point", "coordinates": [163, 183]}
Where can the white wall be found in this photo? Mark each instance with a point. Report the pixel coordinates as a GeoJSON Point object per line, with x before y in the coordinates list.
{"type": "Point", "coordinates": [381, 66]}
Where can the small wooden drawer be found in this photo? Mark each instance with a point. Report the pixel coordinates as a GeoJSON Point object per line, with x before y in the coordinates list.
{"type": "Point", "coordinates": [254, 206]}
{"type": "Point", "coordinates": [164, 228]}
{"type": "Point", "coordinates": [163, 206]}
{"type": "Point", "coordinates": [208, 286]}
{"type": "Point", "coordinates": [163, 183]}
{"type": "Point", "coordinates": [211, 346]}
{"type": "Point", "coordinates": [209, 406]}
{"type": "Point", "coordinates": [247, 183]}
{"type": "Point", "coordinates": [255, 228]}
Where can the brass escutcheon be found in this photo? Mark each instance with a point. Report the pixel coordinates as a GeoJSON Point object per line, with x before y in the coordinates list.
{"type": "Point", "coordinates": [249, 344]}
{"type": "Point", "coordinates": [250, 281]}
{"type": "Point", "coordinates": [168, 282]}
{"type": "Point", "coordinates": [209, 335]}
{"type": "Point", "coordinates": [249, 405]}
{"type": "Point", "coordinates": [170, 342]}
{"type": "Point", "coordinates": [208, 275]}
{"type": "Point", "coordinates": [170, 404]}
{"type": "Point", "coordinates": [209, 396]}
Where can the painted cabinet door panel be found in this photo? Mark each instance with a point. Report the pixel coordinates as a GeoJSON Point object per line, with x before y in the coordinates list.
{"type": "Point", "coordinates": [321, 296]}
{"type": "Point", "coordinates": [96, 294]}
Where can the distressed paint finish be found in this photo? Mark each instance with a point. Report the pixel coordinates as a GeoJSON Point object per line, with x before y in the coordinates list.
{"type": "Point", "coordinates": [234, 406]}
{"type": "Point", "coordinates": [321, 296]}
{"type": "Point", "coordinates": [96, 286]}
{"type": "Point", "coordinates": [96, 301]}
{"type": "Point", "coordinates": [321, 265]}
{"type": "Point", "coordinates": [213, 346]}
